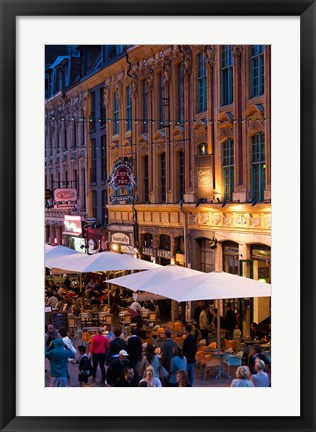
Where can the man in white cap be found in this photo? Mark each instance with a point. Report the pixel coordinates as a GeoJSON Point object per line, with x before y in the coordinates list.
{"type": "Point", "coordinates": [115, 371]}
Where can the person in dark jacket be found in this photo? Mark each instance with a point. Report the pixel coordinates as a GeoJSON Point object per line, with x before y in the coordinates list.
{"type": "Point", "coordinates": [230, 321]}
{"type": "Point", "coordinates": [58, 356]}
{"type": "Point", "coordinates": [115, 371]}
{"type": "Point", "coordinates": [255, 352]}
{"type": "Point", "coordinates": [134, 348]}
{"type": "Point", "coordinates": [85, 367]}
{"type": "Point", "coordinates": [167, 349]}
{"type": "Point", "coordinates": [128, 380]}
{"type": "Point", "coordinates": [189, 350]}
{"type": "Point", "coordinates": [117, 344]}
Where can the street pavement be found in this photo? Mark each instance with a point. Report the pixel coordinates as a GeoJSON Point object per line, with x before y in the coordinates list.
{"type": "Point", "coordinates": [210, 380]}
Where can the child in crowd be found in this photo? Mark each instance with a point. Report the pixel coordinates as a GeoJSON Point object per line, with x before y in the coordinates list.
{"type": "Point", "coordinates": [85, 368]}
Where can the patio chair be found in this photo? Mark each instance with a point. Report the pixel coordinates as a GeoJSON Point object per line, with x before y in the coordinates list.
{"type": "Point", "coordinates": [210, 362]}
{"type": "Point", "coordinates": [231, 360]}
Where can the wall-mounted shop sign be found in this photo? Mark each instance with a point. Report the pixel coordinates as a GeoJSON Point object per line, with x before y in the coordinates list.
{"type": "Point", "coordinates": [204, 175]}
{"type": "Point", "coordinates": [65, 195]}
{"type": "Point", "coordinates": [120, 238]}
{"type": "Point", "coordinates": [72, 225]}
{"type": "Point", "coordinates": [65, 198]}
{"type": "Point", "coordinates": [122, 181]}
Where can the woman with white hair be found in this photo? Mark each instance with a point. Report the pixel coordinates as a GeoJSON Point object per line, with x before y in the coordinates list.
{"type": "Point", "coordinates": [261, 378]}
{"type": "Point", "coordinates": [151, 380]}
{"type": "Point", "coordinates": [242, 378]}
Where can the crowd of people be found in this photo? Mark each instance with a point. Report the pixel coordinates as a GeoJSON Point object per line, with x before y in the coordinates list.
{"type": "Point", "coordinates": [123, 362]}
{"type": "Point", "coordinates": [135, 357]}
{"type": "Point", "coordinates": [131, 362]}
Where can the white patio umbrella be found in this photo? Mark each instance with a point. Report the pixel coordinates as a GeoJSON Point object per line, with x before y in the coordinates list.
{"type": "Point", "coordinates": [203, 286]}
{"type": "Point", "coordinates": [104, 261]}
{"type": "Point", "coordinates": [145, 280]}
{"type": "Point", "coordinates": [153, 278]}
{"type": "Point", "coordinates": [58, 251]}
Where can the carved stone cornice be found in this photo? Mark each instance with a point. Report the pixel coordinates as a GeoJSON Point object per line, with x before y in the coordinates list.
{"type": "Point", "coordinates": [209, 55]}
{"type": "Point", "coordinates": [166, 69]}
{"type": "Point", "coordinates": [117, 85]}
{"type": "Point", "coordinates": [186, 53]}
{"type": "Point", "coordinates": [237, 53]}
{"type": "Point", "coordinates": [149, 78]}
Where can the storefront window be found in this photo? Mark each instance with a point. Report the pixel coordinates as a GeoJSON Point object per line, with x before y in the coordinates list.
{"type": "Point", "coordinates": [206, 255]}
{"type": "Point", "coordinates": [230, 257]}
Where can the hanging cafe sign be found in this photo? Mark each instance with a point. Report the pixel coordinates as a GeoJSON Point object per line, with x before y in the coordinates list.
{"type": "Point", "coordinates": [122, 181]}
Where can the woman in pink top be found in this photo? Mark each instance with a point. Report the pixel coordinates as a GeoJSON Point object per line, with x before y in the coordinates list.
{"type": "Point", "coordinates": [98, 348]}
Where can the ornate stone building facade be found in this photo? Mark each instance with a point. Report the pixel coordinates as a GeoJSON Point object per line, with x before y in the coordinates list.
{"type": "Point", "coordinates": [193, 124]}
{"type": "Point", "coordinates": [198, 138]}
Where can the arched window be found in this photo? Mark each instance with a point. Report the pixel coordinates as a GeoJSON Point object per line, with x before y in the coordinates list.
{"type": "Point", "coordinates": [181, 173]}
{"type": "Point", "coordinates": [128, 109]}
{"type": "Point", "coordinates": [228, 168]}
{"type": "Point", "coordinates": [257, 167]}
{"type": "Point", "coordinates": [145, 107]}
{"type": "Point", "coordinates": [92, 114]}
{"type": "Point", "coordinates": [146, 179]}
{"type": "Point", "coordinates": [227, 75]}
{"type": "Point", "coordinates": [116, 115]}
{"type": "Point", "coordinates": [180, 93]}
{"type": "Point", "coordinates": [162, 100]}
{"type": "Point", "coordinates": [201, 84]}
{"type": "Point", "coordinates": [256, 70]}
{"type": "Point", "coordinates": [163, 177]}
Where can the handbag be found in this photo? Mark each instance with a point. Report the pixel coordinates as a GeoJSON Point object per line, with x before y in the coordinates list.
{"type": "Point", "coordinates": [163, 373]}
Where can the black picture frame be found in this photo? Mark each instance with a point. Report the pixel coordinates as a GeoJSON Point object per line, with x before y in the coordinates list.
{"type": "Point", "coordinates": [11, 9]}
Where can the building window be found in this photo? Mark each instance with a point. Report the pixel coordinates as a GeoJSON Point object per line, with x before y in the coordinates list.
{"type": "Point", "coordinates": [65, 182]}
{"type": "Point", "coordinates": [50, 143]}
{"type": "Point", "coordinates": [116, 115]}
{"type": "Point", "coordinates": [228, 168]}
{"type": "Point", "coordinates": [180, 93]}
{"type": "Point", "coordinates": [201, 84]}
{"type": "Point", "coordinates": [58, 140]}
{"type": "Point", "coordinates": [128, 109]}
{"type": "Point", "coordinates": [257, 167]}
{"type": "Point", "coordinates": [82, 130]}
{"type": "Point", "coordinates": [94, 204]}
{"type": "Point", "coordinates": [104, 214]}
{"type": "Point", "coordinates": [75, 180]}
{"type": "Point", "coordinates": [103, 157]}
{"type": "Point", "coordinates": [92, 112]}
{"type": "Point", "coordinates": [165, 242]}
{"type": "Point", "coordinates": [227, 75]}
{"type": "Point", "coordinates": [181, 173]}
{"type": "Point", "coordinates": [163, 177]}
{"type": "Point", "coordinates": [256, 70]}
{"type": "Point", "coordinates": [102, 107]}
{"type": "Point", "coordinates": [206, 255]}
{"type": "Point", "coordinates": [93, 161]}
{"type": "Point", "coordinates": [146, 179]}
{"type": "Point", "coordinates": [74, 134]}
{"type": "Point", "coordinates": [145, 107]}
{"type": "Point", "coordinates": [161, 100]}
{"type": "Point", "coordinates": [231, 257]}
{"type": "Point", "coordinates": [65, 135]}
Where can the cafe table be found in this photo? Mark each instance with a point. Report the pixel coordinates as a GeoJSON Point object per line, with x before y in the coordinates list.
{"type": "Point", "coordinates": [220, 355]}
{"type": "Point", "coordinates": [254, 341]}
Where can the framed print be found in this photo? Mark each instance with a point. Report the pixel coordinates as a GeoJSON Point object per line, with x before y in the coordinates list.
{"type": "Point", "coordinates": [26, 28]}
